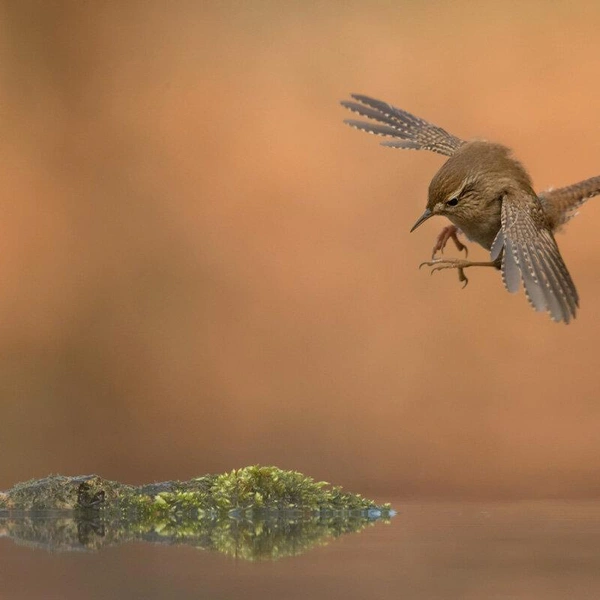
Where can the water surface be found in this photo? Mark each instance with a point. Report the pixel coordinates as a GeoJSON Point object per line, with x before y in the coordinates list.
{"type": "Point", "coordinates": [430, 550]}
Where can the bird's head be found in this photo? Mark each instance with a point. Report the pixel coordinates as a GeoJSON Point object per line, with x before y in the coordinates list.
{"type": "Point", "coordinates": [477, 175]}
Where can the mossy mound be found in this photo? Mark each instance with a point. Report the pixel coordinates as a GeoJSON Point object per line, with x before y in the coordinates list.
{"type": "Point", "coordinates": [241, 491]}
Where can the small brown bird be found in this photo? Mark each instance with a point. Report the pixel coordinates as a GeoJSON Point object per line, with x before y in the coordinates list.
{"type": "Point", "coordinates": [488, 196]}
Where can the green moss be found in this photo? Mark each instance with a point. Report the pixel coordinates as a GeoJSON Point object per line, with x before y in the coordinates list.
{"type": "Point", "coordinates": [275, 489]}
{"type": "Point", "coordinates": [249, 490]}
{"type": "Point", "coordinates": [240, 491]}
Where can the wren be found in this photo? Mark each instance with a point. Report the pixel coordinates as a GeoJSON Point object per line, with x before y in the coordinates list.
{"type": "Point", "coordinates": [488, 196]}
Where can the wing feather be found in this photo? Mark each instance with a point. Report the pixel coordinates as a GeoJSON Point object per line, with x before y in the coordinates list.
{"type": "Point", "coordinates": [511, 272]}
{"type": "Point", "coordinates": [415, 133]}
{"type": "Point", "coordinates": [532, 256]}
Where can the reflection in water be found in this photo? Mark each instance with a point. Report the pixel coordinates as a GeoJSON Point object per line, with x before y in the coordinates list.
{"type": "Point", "coordinates": [544, 550]}
{"type": "Point", "coordinates": [262, 537]}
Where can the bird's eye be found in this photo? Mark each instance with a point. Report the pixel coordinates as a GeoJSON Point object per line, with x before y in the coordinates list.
{"type": "Point", "coordinates": [452, 202]}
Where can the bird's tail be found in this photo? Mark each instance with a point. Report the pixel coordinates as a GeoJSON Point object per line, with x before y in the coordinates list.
{"type": "Point", "coordinates": [562, 204]}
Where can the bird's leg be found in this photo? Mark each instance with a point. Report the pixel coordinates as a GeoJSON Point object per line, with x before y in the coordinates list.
{"type": "Point", "coordinates": [448, 233]}
{"type": "Point", "coordinates": [459, 264]}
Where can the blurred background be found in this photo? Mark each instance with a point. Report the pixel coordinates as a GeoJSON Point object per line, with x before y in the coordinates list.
{"type": "Point", "coordinates": [203, 268]}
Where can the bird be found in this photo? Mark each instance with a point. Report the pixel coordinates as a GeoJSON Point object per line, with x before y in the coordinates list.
{"type": "Point", "coordinates": [488, 196]}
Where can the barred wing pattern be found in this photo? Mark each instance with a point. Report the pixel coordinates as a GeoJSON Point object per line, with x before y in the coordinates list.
{"type": "Point", "coordinates": [562, 204]}
{"type": "Point", "coordinates": [410, 132]}
{"type": "Point", "coordinates": [531, 255]}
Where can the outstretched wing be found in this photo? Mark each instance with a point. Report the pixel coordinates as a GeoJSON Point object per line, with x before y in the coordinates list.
{"type": "Point", "coordinates": [531, 255]}
{"type": "Point", "coordinates": [562, 204]}
{"type": "Point", "coordinates": [409, 131]}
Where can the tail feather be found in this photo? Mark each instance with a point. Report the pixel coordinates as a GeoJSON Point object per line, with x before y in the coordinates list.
{"type": "Point", "coordinates": [562, 204]}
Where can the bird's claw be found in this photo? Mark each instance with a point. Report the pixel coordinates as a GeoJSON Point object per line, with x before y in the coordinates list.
{"type": "Point", "coordinates": [438, 264]}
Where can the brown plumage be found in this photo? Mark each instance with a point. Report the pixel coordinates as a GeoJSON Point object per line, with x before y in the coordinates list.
{"type": "Point", "coordinates": [488, 195]}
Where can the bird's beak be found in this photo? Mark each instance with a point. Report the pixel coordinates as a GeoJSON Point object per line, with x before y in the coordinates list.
{"type": "Point", "coordinates": [422, 219]}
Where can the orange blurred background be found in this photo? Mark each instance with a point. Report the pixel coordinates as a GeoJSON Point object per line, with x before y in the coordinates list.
{"type": "Point", "coordinates": [203, 268]}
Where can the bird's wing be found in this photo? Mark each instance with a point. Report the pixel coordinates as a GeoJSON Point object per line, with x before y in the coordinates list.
{"type": "Point", "coordinates": [531, 255]}
{"type": "Point", "coordinates": [409, 131]}
{"type": "Point", "coordinates": [562, 204]}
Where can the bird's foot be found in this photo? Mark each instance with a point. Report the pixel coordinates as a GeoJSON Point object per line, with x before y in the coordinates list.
{"type": "Point", "coordinates": [438, 264]}
{"type": "Point", "coordinates": [460, 264]}
{"type": "Point", "coordinates": [448, 233]}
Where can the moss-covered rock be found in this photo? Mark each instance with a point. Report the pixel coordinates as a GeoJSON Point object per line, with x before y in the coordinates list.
{"type": "Point", "coordinates": [245, 490]}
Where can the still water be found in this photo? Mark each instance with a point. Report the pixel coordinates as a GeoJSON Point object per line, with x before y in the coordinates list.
{"type": "Point", "coordinates": [429, 551]}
